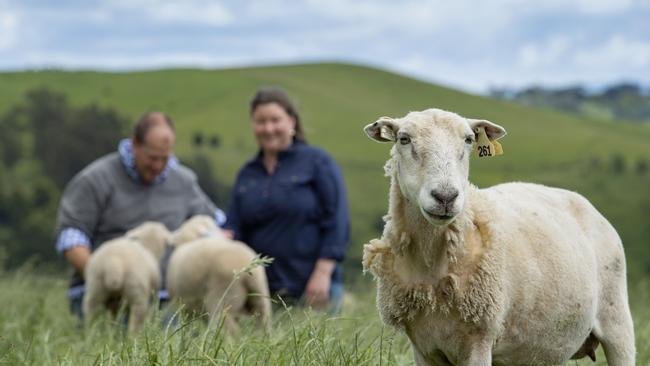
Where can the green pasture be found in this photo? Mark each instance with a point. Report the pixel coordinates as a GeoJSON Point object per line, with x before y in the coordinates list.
{"type": "Point", "coordinates": [337, 100]}
{"type": "Point", "coordinates": [598, 159]}
{"type": "Point", "coordinates": [37, 329]}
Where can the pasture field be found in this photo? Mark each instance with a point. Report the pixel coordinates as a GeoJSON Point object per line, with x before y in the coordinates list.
{"type": "Point", "coordinates": [593, 157]}
{"type": "Point", "coordinates": [337, 100]}
{"type": "Point", "coordinates": [37, 329]}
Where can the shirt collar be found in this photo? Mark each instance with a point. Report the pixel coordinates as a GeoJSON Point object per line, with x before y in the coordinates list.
{"type": "Point", "coordinates": [282, 154]}
{"type": "Point", "coordinates": [125, 149]}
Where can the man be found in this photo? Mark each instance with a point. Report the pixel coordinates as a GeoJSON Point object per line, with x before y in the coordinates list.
{"type": "Point", "coordinates": [142, 181]}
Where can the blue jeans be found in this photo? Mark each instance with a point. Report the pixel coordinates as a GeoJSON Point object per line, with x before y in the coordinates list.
{"type": "Point", "coordinates": [336, 298]}
{"type": "Point", "coordinates": [76, 307]}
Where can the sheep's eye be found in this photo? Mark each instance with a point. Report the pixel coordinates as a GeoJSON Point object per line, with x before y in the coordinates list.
{"type": "Point", "coordinates": [404, 140]}
{"type": "Point", "coordinates": [469, 140]}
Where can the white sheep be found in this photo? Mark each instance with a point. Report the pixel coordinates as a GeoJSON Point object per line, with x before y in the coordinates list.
{"type": "Point", "coordinates": [207, 275]}
{"type": "Point", "coordinates": [126, 269]}
{"type": "Point", "coordinates": [515, 274]}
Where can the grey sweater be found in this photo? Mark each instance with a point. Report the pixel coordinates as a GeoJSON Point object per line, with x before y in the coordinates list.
{"type": "Point", "coordinates": [104, 202]}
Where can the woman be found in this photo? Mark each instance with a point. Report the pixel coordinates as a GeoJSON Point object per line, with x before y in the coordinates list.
{"type": "Point", "coordinates": [289, 203]}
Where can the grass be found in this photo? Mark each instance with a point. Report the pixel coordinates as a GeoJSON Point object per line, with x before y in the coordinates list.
{"type": "Point", "coordinates": [37, 329]}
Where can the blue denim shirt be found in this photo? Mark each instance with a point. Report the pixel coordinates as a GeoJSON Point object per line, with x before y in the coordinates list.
{"type": "Point", "coordinates": [296, 215]}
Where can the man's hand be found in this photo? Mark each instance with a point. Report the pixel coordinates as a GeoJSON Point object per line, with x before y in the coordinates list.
{"type": "Point", "coordinates": [78, 257]}
{"type": "Point", "coordinates": [229, 234]}
{"type": "Point", "coordinates": [317, 293]}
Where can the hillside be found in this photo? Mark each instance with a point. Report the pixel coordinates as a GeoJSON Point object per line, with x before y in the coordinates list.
{"type": "Point", "coordinates": [337, 100]}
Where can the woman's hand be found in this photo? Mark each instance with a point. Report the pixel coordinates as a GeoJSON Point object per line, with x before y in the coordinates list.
{"type": "Point", "coordinates": [317, 293]}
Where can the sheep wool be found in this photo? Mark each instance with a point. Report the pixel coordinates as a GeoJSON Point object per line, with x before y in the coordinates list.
{"type": "Point", "coordinates": [514, 274]}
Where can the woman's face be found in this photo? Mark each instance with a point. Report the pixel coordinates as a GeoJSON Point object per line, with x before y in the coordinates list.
{"type": "Point", "coordinates": [273, 127]}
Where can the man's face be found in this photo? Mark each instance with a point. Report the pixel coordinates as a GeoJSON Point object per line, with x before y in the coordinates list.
{"type": "Point", "coordinates": [152, 155]}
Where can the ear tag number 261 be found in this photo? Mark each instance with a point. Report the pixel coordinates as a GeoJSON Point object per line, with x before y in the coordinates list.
{"type": "Point", "coordinates": [485, 147]}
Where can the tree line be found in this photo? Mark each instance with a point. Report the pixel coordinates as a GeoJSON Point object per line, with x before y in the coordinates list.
{"type": "Point", "coordinates": [622, 101]}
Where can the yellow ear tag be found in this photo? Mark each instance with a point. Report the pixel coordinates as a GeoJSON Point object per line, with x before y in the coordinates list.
{"type": "Point", "coordinates": [486, 147]}
{"type": "Point", "coordinates": [498, 149]}
{"type": "Point", "coordinates": [386, 133]}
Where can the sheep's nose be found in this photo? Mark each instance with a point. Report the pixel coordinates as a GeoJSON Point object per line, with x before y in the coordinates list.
{"type": "Point", "coordinates": [445, 197]}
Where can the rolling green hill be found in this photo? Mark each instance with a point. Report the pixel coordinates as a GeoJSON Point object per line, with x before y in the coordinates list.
{"type": "Point", "coordinates": [337, 100]}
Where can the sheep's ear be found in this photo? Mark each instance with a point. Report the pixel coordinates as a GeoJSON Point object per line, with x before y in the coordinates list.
{"type": "Point", "coordinates": [382, 130]}
{"type": "Point", "coordinates": [133, 234]}
{"type": "Point", "coordinates": [493, 130]}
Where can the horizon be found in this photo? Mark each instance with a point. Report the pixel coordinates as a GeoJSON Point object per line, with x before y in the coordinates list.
{"type": "Point", "coordinates": [589, 89]}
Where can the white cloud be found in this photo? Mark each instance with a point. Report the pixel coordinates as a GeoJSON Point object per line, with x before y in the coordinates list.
{"type": "Point", "coordinates": [585, 7]}
{"type": "Point", "coordinates": [207, 13]}
{"type": "Point", "coordinates": [547, 53]}
{"type": "Point", "coordinates": [462, 43]}
{"type": "Point", "coordinates": [73, 61]}
{"type": "Point", "coordinates": [618, 52]}
{"type": "Point", "coordinates": [8, 25]}
{"type": "Point", "coordinates": [191, 12]}
{"type": "Point", "coordinates": [604, 7]}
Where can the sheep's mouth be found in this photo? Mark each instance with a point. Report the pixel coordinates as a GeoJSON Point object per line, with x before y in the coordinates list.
{"type": "Point", "coordinates": [437, 217]}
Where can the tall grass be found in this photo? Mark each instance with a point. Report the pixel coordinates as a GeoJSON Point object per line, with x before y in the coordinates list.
{"type": "Point", "coordinates": [37, 329]}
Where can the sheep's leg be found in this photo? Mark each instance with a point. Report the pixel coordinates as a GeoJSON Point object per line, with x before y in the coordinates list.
{"type": "Point", "coordinates": [617, 334]}
{"type": "Point", "coordinates": [219, 304]}
{"type": "Point", "coordinates": [419, 358]}
{"type": "Point", "coordinates": [137, 299]}
{"type": "Point", "coordinates": [258, 298]}
{"type": "Point", "coordinates": [137, 314]}
{"type": "Point", "coordinates": [614, 328]}
{"type": "Point", "coordinates": [480, 354]}
{"type": "Point", "coordinates": [93, 302]}
{"type": "Point", "coordinates": [437, 358]}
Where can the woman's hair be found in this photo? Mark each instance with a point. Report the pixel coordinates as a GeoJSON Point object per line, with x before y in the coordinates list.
{"type": "Point", "coordinates": [280, 97]}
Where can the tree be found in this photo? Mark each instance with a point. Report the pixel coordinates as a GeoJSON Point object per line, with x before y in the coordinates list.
{"type": "Point", "coordinates": [44, 142]}
{"type": "Point", "coordinates": [67, 139]}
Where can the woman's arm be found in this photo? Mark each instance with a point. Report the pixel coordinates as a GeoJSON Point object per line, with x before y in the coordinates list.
{"type": "Point", "coordinates": [318, 286]}
{"type": "Point", "coordinates": [335, 227]}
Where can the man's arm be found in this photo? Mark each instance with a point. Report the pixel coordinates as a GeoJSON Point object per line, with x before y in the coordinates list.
{"type": "Point", "coordinates": [78, 256]}
{"type": "Point", "coordinates": [75, 246]}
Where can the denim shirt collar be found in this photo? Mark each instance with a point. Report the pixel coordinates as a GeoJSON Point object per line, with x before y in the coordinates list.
{"type": "Point", "coordinates": [259, 158]}
{"type": "Point", "coordinates": [125, 149]}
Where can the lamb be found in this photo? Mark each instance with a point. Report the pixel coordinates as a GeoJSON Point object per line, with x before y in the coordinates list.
{"type": "Point", "coordinates": [216, 275]}
{"type": "Point", "coordinates": [515, 274]}
{"type": "Point", "coordinates": [127, 269]}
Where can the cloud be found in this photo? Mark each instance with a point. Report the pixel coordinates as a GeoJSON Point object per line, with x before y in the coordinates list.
{"type": "Point", "coordinates": [8, 25]}
{"type": "Point", "coordinates": [207, 13]}
{"type": "Point", "coordinates": [463, 43]}
{"type": "Point", "coordinates": [617, 52]}
{"type": "Point", "coordinates": [548, 53]}
{"type": "Point", "coordinates": [190, 12]}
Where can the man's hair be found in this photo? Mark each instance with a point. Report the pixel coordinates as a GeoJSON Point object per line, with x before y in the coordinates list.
{"type": "Point", "coordinates": [280, 97]}
{"type": "Point", "coordinates": [149, 120]}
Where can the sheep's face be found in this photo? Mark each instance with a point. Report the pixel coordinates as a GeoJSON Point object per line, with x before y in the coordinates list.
{"type": "Point", "coordinates": [152, 235]}
{"type": "Point", "coordinates": [430, 158]}
{"type": "Point", "coordinates": [197, 227]}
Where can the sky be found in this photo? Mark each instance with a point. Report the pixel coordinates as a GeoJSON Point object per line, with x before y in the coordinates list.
{"type": "Point", "coordinates": [469, 45]}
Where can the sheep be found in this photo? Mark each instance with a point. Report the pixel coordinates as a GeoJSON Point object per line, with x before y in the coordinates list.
{"type": "Point", "coordinates": [515, 274]}
{"type": "Point", "coordinates": [126, 268]}
{"type": "Point", "coordinates": [217, 276]}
